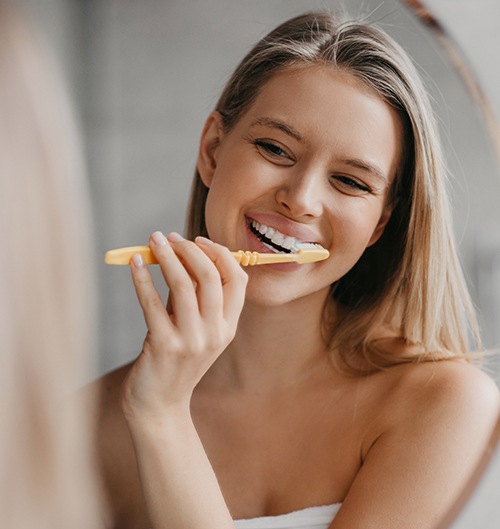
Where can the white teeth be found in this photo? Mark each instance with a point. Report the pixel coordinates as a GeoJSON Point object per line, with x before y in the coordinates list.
{"type": "Point", "coordinates": [289, 242]}
{"type": "Point", "coordinates": [278, 238]}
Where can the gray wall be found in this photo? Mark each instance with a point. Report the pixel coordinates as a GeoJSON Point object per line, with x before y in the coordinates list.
{"type": "Point", "coordinates": [144, 75]}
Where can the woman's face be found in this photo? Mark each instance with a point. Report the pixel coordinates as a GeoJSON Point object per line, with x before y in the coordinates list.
{"type": "Point", "coordinates": [312, 158]}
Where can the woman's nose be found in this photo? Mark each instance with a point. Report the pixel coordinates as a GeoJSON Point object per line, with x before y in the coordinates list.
{"type": "Point", "coordinates": [301, 195]}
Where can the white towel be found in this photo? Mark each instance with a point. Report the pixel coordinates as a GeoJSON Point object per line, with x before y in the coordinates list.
{"type": "Point", "coordinates": [309, 518]}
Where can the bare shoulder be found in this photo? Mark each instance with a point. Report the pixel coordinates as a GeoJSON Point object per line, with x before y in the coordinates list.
{"type": "Point", "coordinates": [432, 426]}
{"type": "Point", "coordinates": [445, 402]}
{"type": "Point", "coordinates": [115, 452]}
{"type": "Point", "coordinates": [442, 402]}
{"type": "Point", "coordinates": [454, 387]}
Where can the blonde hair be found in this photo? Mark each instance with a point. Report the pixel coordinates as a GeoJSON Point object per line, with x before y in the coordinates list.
{"type": "Point", "coordinates": [409, 282]}
{"type": "Point", "coordinates": [46, 466]}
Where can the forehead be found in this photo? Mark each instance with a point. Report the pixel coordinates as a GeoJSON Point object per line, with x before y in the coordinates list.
{"type": "Point", "coordinates": [333, 110]}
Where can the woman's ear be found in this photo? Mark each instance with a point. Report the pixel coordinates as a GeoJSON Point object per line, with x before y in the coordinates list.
{"type": "Point", "coordinates": [211, 137]}
{"type": "Point", "coordinates": [382, 223]}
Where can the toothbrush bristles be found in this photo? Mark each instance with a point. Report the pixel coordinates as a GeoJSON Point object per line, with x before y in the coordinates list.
{"type": "Point", "coordinates": [305, 246]}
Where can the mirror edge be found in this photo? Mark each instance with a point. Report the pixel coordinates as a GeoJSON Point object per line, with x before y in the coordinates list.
{"type": "Point", "coordinates": [465, 73]}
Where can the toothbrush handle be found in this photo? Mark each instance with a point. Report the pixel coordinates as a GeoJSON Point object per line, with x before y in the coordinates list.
{"type": "Point", "coordinates": [122, 256]}
{"type": "Point", "coordinates": [247, 258]}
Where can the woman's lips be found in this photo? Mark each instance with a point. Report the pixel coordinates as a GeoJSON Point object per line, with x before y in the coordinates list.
{"type": "Point", "coordinates": [274, 238]}
{"type": "Point", "coordinates": [283, 228]}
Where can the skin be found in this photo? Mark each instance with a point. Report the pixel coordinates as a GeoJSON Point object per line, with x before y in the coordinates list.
{"type": "Point", "coordinates": [233, 409]}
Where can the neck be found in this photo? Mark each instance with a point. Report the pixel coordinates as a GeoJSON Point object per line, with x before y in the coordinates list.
{"type": "Point", "coordinates": [274, 346]}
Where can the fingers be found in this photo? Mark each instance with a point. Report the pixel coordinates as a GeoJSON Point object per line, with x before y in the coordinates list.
{"type": "Point", "coordinates": [221, 288]}
{"type": "Point", "coordinates": [232, 276]}
{"type": "Point", "coordinates": [205, 282]}
{"type": "Point", "coordinates": [149, 299]}
{"type": "Point", "coordinates": [207, 279]}
{"type": "Point", "coordinates": [182, 297]}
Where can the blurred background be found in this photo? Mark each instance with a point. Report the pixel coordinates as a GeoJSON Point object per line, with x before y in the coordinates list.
{"type": "Point", "coordinates": [145, 74]}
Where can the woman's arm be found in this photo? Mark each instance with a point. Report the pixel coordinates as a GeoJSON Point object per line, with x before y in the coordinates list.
{"type": "Point", "coordinates": [438, 423]}
{"type": "Point", "coordinates": [179, 485]}
{"type": "Point", "coordinates": [207, 290]}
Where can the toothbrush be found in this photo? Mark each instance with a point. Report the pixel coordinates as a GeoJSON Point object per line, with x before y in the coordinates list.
{"type": "Point", "coordinates": [300, 253]}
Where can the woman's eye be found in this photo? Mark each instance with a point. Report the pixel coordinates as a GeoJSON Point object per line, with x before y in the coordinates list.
{"type": "Point", "coordinates": [273, 150]}
{"type": "Point", "coordinates": [351, 185]}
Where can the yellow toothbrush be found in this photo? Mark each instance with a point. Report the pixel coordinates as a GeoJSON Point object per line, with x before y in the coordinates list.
{"type": "Point", "coordinates": [301, 253]}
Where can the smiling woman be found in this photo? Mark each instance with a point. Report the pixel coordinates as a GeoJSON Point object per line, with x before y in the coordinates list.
{"type": "Point", "coordinates": [327, 199]}
{"type": "Point", "coordinates": [293, 391]}
{"type": "Point", "coordinates": [273, 418]}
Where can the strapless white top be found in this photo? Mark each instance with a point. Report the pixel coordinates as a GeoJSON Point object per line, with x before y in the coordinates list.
{"type": "Point", "coordinates": [310, 518]}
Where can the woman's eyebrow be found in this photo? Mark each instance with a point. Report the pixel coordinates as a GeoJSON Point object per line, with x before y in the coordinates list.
{"type": "Point", "coordinates": [280, 125]}
{"type": "Point", "coordinates": [368, 167]}
{"type": "Point", "coordinates": [290, 131]}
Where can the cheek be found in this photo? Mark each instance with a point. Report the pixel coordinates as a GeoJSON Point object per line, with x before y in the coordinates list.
{"type": "Point", "coordinates": [356, 220]}
{"type": "Point", "coordinates": [213, 214]}
{"type": "Point", "coordinates": [224, 203]}
{"type": "Point", "coordinates": [233, 187]}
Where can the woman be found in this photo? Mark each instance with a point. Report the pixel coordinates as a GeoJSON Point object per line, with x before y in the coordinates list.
{"type": "Point", "coordinates": [48, 477]}
{"type": "Point", "coordinates": [337, 393]}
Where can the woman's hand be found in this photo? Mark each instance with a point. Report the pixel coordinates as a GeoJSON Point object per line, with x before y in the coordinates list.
{"type": "Point", "coordinates": [207, 289]}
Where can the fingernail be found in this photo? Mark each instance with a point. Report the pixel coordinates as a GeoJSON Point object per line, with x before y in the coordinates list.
{"type": "Point", "coordinates": [138, 261]}
{"type": "Point", "coordinates": [203, 240]}
{"type": "Point", "coordinates": [175, 237]}
{"type": "Point", "coordinates": [159, 238]}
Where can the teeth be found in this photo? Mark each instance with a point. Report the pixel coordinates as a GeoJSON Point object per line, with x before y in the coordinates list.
{"type": "Point", "coordinates": [278, 238]}
{"type": "Point", "coordinates": [285, 241]}
{"type": "Point", "coordinates": [268, 232]}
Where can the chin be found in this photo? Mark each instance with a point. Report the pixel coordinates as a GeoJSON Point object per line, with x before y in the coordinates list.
{"type": "Point", "coordinates": [276, 294]}
{"type": "Point", "coordinates": [265, 298]}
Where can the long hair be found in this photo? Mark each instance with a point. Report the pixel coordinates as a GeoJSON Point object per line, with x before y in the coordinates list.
{"type": "Point", "coordinates": [46, 466]}
{"type": "Point", "coordinates": [409, 282]}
